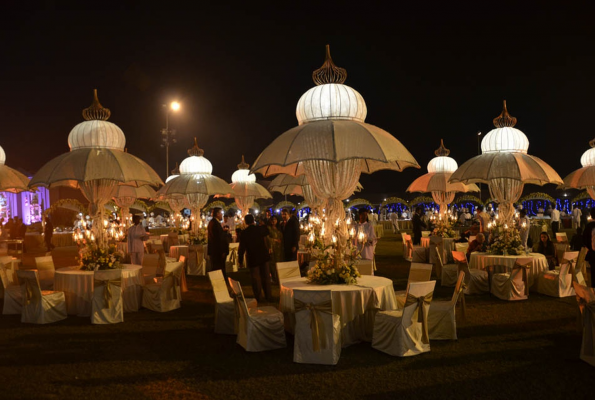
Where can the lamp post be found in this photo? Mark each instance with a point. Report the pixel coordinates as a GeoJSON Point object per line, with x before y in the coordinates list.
{"type": "Point", "coordinates": [478, 153]}
{"type": "Point", "coordinates": [168, 134]}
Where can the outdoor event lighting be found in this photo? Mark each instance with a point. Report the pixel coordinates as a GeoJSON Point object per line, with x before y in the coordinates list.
{"type": "Point", "coordinates": [168, 134]}
{"type": "Point", "coordinates": [175, 106]}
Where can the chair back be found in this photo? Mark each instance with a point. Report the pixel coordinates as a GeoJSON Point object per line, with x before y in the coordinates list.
{"type": "Point", "coordinates": [4, 277]}
{"type": "Point", "coordinates": [417, 305]}
{"type": "Point", "coordinates": [108, 284]}
{"type": "Point", "coordinates": [419, 272]}
{"type": "Point", "coordinates": [219, 287]}
{"type": "Point", "coordinates": [519, 271]}
{"type": "Point", "coordinates": [182, 259]}
{"type": "Point", "coordinates": [29, 286]}
{"type": "Point", "coordinates": [439, 258]}
{"type": "Point", "coordinates": [44, 263]}
{"type": "Point", "coordinates": [314, 312]}
{"type": "Point", "coordinates": [458, 288]}
{"type": "Point", "coordinates": [462, 265]}
{"type": "Point", "coordinates": [6, 259]}
{"type": "Point", "coordinates": [237, 290]}
{"type": "Point", "coordinates": [365, 267]}
{"type": "Point", "coordinates": [409, 246]}
{"type": "Point", "coordinates": [561, 237]}
{"type": "Point", "coordinates": [461, 247]}
{"type": "Point", "coordinates": [570, 256]}
{"type": "Point", "coordinates": [172, 280]}
{"type": "Point", "coordinates": [288, 270]}
{"type": "Point", "coordinates": [172, 239]}
{"type": "Point", "coordinates": [565, 268]}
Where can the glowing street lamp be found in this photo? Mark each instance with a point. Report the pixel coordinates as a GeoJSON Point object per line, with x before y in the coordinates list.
{"type": "Point", "coordinates": [168, 134]}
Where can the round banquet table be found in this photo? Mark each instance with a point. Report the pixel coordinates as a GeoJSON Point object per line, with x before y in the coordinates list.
{"type": "Point", "coordinates": [484, 260]}
{"type": "Point", "coordinates": [356, 305]}
{"type": "Point", "coordinates": [77, 286]}
{"type": "Point", "coordinates": [405, 224]}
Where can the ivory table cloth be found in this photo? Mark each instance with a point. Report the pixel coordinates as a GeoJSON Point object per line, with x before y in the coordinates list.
{"type": "Point", "coordinates": [77, 286]}
{"type": "Point", "coordinates": [356, 305]}
{"type": "Point", "coordinates": [484, 260]}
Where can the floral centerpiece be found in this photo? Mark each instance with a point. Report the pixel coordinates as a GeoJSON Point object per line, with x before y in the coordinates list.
{"type": "Point", "coordinates": [443, 229]}
{"type": "Point", "coordinates": [200, 237]}
{"type": "Point", "coordinates": [507, 240]}
{"type": "Point", "coordinates": [94, 258]}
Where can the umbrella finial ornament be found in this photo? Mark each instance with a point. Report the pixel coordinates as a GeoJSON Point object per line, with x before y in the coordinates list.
{"type": "Point", "coordinates": [243, 164]}
{"type": "Point", "coordinates": [504, 119]}
{"type": "Point", "coordinates": [442, 151]}
{"type": "Point", "coordinates": [176, 170]}
{"type": "Point", "coordinates": [195, 150]}
{"type": "Point", "coordinates": [96, 111]}
{"type": "Point", "coordinates": [329, 72]}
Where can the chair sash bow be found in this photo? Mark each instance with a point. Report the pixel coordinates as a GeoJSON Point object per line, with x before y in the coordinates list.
{"type": "Point", "coordinates": [30, 292]}
{"type": "Point", "coordinates": [233, 256]}
{"type": "Point", "coordinates": [421, 312]}
{"type": "Point", "coordinates": [523, 269]}
{"type": "Point", "coordinates": [316, 325]}
{"type": "Point", "coordinates": [107, 292]}
{"type": "Point", "coordinates": [173, 293]}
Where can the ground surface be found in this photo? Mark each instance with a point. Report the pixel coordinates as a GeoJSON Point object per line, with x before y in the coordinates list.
{"type": "Point", "coordinates": [523, 349]}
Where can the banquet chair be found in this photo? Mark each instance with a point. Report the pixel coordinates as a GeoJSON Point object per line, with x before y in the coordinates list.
{"type": "Point", "coordinates": [317, 328]}
{"type": "Point", "coordinates": [107, 305]}
{"type": "Point", "coordinates": [449, 272]}
{"type": "Point", "coordinates": [561, 249]}
{"type": "Point", "coordinates": [513, 285]}
{"type": "Point", "coordinates": [561, 237]}
{"type": "Point", "coordinates": [45, 270]}
{"type": "Point", "coordinates": [462, 247]}
{"type": "Point", "coordinates": [226, 313]}
{"type": "Point", "coordinates": [13, 298]}
{"type": "Point", "coordinates": [365, 267]}
{"type": "Point", "coordinates": [289, 270]}
{"type": "Point", "coordinates": [11, 265]}
{"type": "Point", "coordinates": [172, 239]}
{"type": "Point", "coordinates": [586, 302]}
{"type": "Point", "coordinates": [260, 328]}
{"type": "Point", "coordinates": [164, 294]}
{"type": "Point", "coordinates": [442, 321]}
{"type": "Point", "coordinates": [418, 272]}
{"type": "Point", "coordinates": [476, 280]}
{"type": "Point", "coordinates": [197, 268]}
{"type": "Point", "coordinates": [39, 306]}
{"type": "Point", "coordinates": [404, 332]}
{"type": "Point", "coordinates": [556, 283]}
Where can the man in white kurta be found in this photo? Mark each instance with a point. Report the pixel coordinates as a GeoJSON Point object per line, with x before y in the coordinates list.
{"type": "Point", "coordinates": [367, 248]}
{"type": "Point", "coordinates": [394, 219]}
{"type": "Point", "coordinates": [576, 217]}
{"type": "Point", "coordinates": [136, 236]}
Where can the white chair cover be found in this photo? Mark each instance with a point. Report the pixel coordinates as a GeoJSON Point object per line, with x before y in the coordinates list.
{"type": "Point", "coordinates": [261, 328]}
{"type": "Point", "coordinates": [404, 332]}
{"type": "Point", "coordinates": [45, 272]}
{"type": "Point", "coordinates": [462, 247]}
{"type": "Point", "coordinates": [39, 307]}
{"type": "Point", "coordinates": [476, 280]}
{"type": "Point", "coordinates": [107, 306]}
{"type": "Point", "coordinates": [418, 272]}
{"type": "Point", "coordinates": [586, 301]}
{"type": "Point", "coordinates": [449, 272]}
{"type": "Point", "coordinates": [11, 265]}
{"type": "Point", "coordinates": [365, 267]}
{"type": "Point", "coordinates": [317, 329]}
{"type": "Point", "coordinates": [561, 237]}
{"type": "Point", "coordinates": [512, 285]}
{"type": "Point", "coordinates": [13, 299]}
{"type": "Point", "coordinates": [288, 270]}
{"type": "Point", "coordinates": [442, 322]}
{"type": "Point", "coordinates": [197, 267]}
{"type": "Point", "coordinates": [165, 294]}
{"type": "Point", "coordinates": [557, 283]}
{"type": "Point", "coordinates": [226, 315]}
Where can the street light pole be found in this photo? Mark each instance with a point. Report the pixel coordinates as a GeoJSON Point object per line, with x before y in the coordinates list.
{"type": "Point", "coordinates": [168, 134]}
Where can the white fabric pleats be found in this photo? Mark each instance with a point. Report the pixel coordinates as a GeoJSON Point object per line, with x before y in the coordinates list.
{"type": "Point", "coordinates": [443, 199]}
{"type": "Point", "coordinates": [226, 314]}
{"type": "Point", "coordinates": [506, 191]}
{"type": "Point", "coordinates": [442, 322]}
{"type": "Point", "coordinates": [13, 299]}
{"type": "Point", "coordinates": [244, 203]}
{"type": "Point", "coordinates": [165, 294]}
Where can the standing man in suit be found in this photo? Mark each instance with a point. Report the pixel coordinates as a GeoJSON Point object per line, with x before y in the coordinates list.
{"type": "Point", "coordinates": [253, 244]}
{"type": "Point", "coordinates": [136, 236]}
{"type": "Point", "coordinates": [217, 246]}
{"type": "Point", "coordinates": [291, 234]}
{"type": "Point", "coordinates": [418, 225]}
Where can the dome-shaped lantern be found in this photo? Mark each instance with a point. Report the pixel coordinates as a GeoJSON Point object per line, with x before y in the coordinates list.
{"type": "Point", "coordinates": [243, 175]}
{"type": "Point", "coordinates": [505, 138]}
{"type": "Point", "coordinates": [96, 131]}
{"type": "Point", "coordinates": [196, 163]}
{"type": "Point", "coordinates": [2, 156]}
{"type": "Point", "coordinates": [442, 163]}
{"type": "Point", "coordinates": [588, 157]}
{"type": "Point", "coordinates": [174, 173]}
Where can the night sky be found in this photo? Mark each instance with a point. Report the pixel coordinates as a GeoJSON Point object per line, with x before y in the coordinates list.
{"type": "Point", "coordinates": [426, 73]}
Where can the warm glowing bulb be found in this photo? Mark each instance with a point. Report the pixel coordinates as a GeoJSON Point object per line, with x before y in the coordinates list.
{"type": "Point", "coordinates": [175, 105]}
{"type": "Point", "coordinates": [334, 239]}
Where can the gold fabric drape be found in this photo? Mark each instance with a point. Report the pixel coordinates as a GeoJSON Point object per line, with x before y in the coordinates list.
{"type": "Point", "coordinates": [107, 293]}
{"type": "Point", "coordinates": [316, 324]}
{"type": "Point", "coordinates": [421, 312]}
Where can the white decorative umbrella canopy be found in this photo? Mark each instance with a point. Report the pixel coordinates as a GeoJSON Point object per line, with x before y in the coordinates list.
{"type": "Point", "coordinates": [333, 145]}
{"type": "Point", "coordinates": [196, 183]}
{"type": "Point", "coordinates": [583, 178]}
{"type": "Point", "coordinates": [440, 169]}
{"type": "Point", "coordinates": [11, 180]}
{"type": "Point", "coordinates": [125, 196]}
{"type": "Point", "coordinates": [245, 188]}
{"type": "Point", "coordinates": [96, 163]}
{"type": "Point", "coordinates": [505, 165]}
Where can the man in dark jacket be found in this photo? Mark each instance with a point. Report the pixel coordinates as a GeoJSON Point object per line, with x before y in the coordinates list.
{"type": "Point", "coordinates": [253, 244]}
{"type": "Point", "coordinates": [418, 225]}
{"type": "Point", "coordinates": [291, 234]}
{"type": "Point", "coordinates": [218, 246]}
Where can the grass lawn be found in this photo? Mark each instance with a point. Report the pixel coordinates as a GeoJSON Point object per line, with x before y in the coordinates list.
{"type": "Point", "coordinates": [525, 349]}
